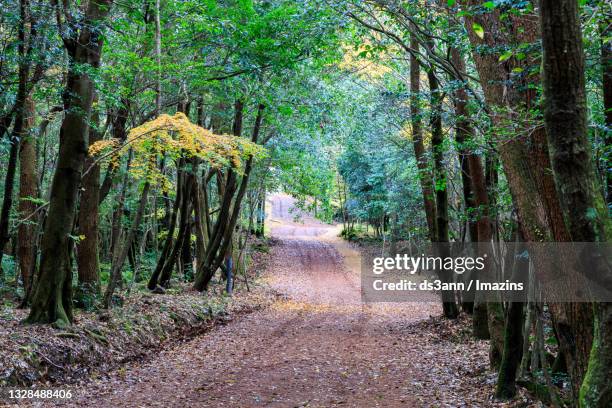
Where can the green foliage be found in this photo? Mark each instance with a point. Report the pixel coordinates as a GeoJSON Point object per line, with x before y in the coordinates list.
{"type": "Point", "coordinates": [478, 30]}
{"type": "Point", "coordinates": [350, 234]}
{"type": "Point", "coordinates": [9, 267]}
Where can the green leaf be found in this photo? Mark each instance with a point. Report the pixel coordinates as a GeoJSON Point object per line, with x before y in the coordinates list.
{"type": "Point", "coordinates": [505, 56]}
{"type": "Point", "coordinates": [591, 213]}
{"type": "Point", "coordinates": [489, 4]}
{"type": "Point", "coordinates": [451, 3]}
{"type": "Point", "coordinates": [517, 70]}
{"type": "Point", "coordinates": [478, 30]}
{"type": "Point", "coordinates": [76, 238]}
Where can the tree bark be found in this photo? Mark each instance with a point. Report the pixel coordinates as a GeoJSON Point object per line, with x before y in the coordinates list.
{"type": "Point", "coordinates": [449, 305]}
{"type": "Point", "coordinates": [527, 165]}
{"type": "Point", "coordinates": [513, 330]}
{"type": "Point", "coordinates": [28, 190]}
{"type": "Point", "coordinates": [224, 227]}
{"type": "Point", "coordinates": [425, 176]}
{"type": "Point", "coordinates": [88, 221]}
{"type": "Point", "coordinates": [184, 231]}
{"type": "Point", "coordinates": [168, 243]}
{"type": "Point", "coordinates": [606, 67]}
{"type": "Point", "coordinates": [52, 299]}
{"type": "Point", "coordinates": [463, 134]}
{"type": "Point", "coordinates": [18, 132]}
{"type": "Point", "coordinates": [566, 122]}
{"type": "Point", "coordinates": [119, 133]}
{"type": "Point", "coordinates": [115, 275]}
{"type": "Point", "coordinates": [586, 214]}
{"type": "Point", "coordinates": [474, 191]}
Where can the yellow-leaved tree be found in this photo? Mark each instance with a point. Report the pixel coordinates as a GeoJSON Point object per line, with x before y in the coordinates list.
{"type": "Point", "coordinates": [172, 137]}
{"type": "Point", "coordinates": [175, 137]}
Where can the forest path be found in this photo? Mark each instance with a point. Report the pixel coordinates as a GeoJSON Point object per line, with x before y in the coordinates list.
{"type": "Point", "coordinates": [318, 347]}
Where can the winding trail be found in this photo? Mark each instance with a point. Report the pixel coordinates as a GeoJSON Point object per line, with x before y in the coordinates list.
{"type": "Point", "coordinates": [320, 346]}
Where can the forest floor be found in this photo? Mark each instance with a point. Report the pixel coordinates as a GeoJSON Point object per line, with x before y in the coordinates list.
{"type": "Point", "coordinates": [318, 345]}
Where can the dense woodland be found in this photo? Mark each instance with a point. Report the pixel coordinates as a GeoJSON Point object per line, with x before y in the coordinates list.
{"type": "Point", "coordinates": [138, 142]}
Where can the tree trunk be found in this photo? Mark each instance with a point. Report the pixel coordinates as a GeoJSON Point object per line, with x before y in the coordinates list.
{"type": "Point", "coordinates": [224, 227]}
{"type": "Point", "coordinates": [212, 259]}
{"type": "Point", "coordinates": [119, 133]}
{"type": "Point", "coordinates": [184, 231]}
{"type": "Point", "coordinates": [606, 67]}
{"type": "Point", "coordinates": [158, 85]}
{"type": "Point", "coordinates": [463, 134]}
{"type": "Point", "coordinates": [18, 132]}
{"type": "Point", "coordinates": [425, 176]}
{"type": "Point", "coordinates": [574, 171]}
{"type": "Point", "coordinates": [566, 121]}
{"type": "Point", "coordinates": [480, 322]}
{"type": "Point", "coordinates": [88, 220]}
{"type": "Point", "coordinates": [52, 299]}
{"type": "Point", "coordinates": [117, 215]}
{"type": "Point", "coordinates": [115, 276]}
{"type": "Point", "coordinates": [28, 190]}
{"type": "Point", "coordinates": [200, 226]}
{"type": "Point", "coordinates": [186, 253]}
{"type": "Point", "coordinates": [527, 165]}
{"type": "Point", "coordinates": [449, 304]}
{"type": "Point", "coordinates": [167, 248]}
{"type": "Point", "coordinates": [513, 331]}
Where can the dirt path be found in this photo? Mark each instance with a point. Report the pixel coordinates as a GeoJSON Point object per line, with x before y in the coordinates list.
{"type": "Point", "coordinates": [319, 347]}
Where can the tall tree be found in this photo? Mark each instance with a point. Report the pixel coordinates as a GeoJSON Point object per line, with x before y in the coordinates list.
{"type": "Point", "coordinates": [449, 304]}
{"type": "Point", "coordinates": [526, 165]}
{"type": "Point", "coordinates": [425, 177]}
{"type": "Point", "coordinates": [221, 236]}
{"type": "Point", "coordinates": [28, 192]}
{"type": "Point", "coordinates": [476, 196]}
{"type": "Point", "coordinates": [88, 221]}
{"type": "Point", "coordinates": [26, 34]}
{"type": "Point", "coordinates": [606, 67]}
{"type": "Point", "coordinates": [586, 215]}
{"type": "Point", "coordinates": [82, 38]}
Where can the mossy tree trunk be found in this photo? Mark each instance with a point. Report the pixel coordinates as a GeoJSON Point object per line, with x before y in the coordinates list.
{"type": "Point", "coordinates": [565, 114]}
{"type": "Point", "coordinates": [425, 176]}
{"type": "Point", "coordinates": [184, 233]}
{"type": "Point", "coordinates": [449, 305]}
{"type": "Point", "coordinates": [119, 132]}
{"type": "Point", "coordinates": [527, 164]}
{"type": "Point", "coordinates": [513, 331]}
{"type": "Point", "coordinates": [28, 190]}
{"type": "Point", "coordinates": [20, 126]}
{"type": "Point", "coordinates": [464, 133]}
{"type": "Point", "coordinates": [123, 250]}
{"type": "Point", "coordinates": [52, 298]}
{"type": "Point", "coordinates": [88, 220]}
{"type": "Point", "coordinates": [606, 68]}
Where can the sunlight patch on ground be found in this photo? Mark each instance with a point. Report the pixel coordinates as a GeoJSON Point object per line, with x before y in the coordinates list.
{"type": "Point", "coordinates": [296, 306]}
